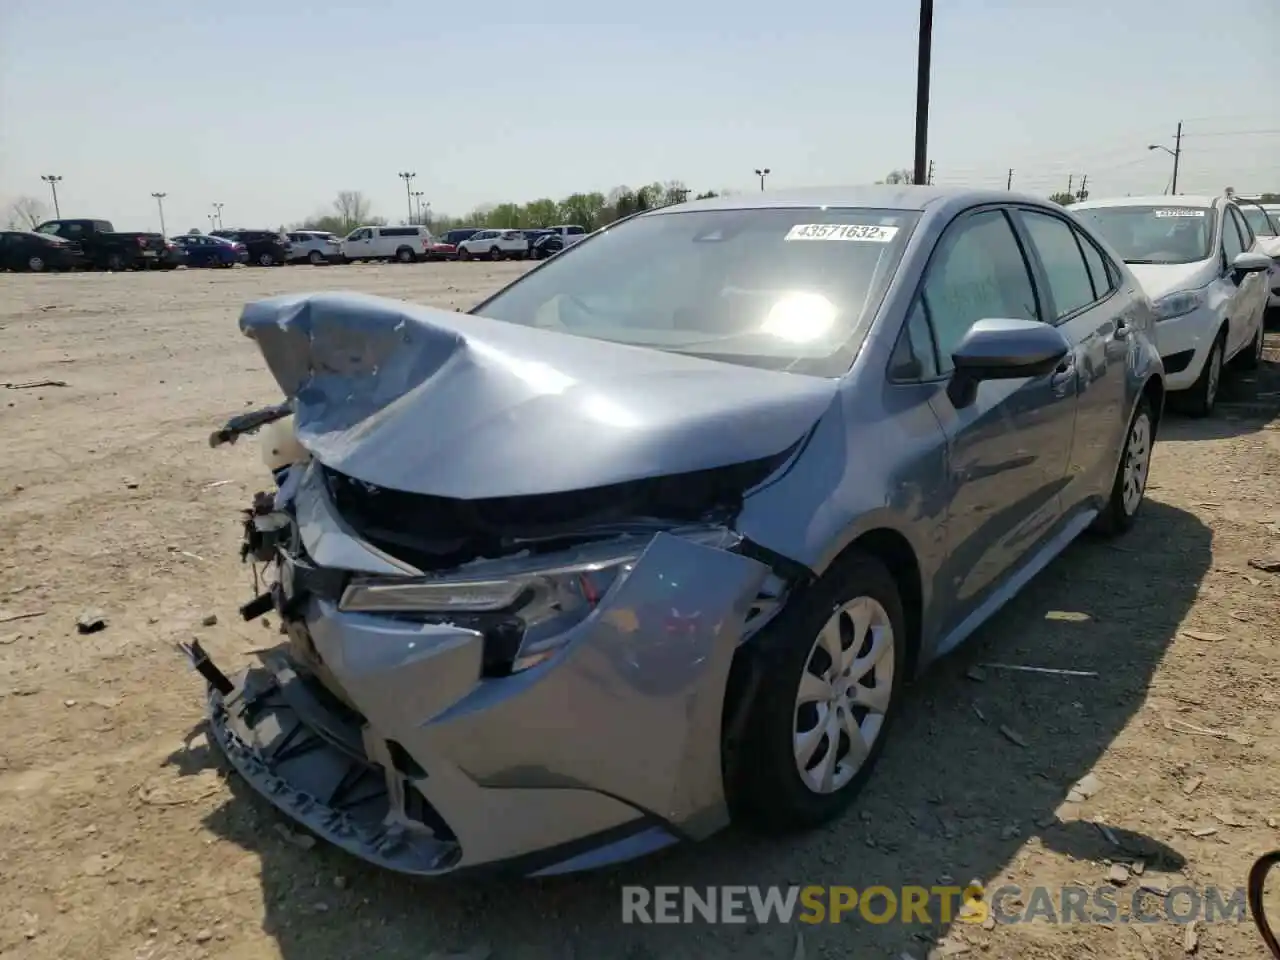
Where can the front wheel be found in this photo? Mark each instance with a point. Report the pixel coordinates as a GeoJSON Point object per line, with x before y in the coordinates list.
{"type": "Point", "coordinates": [266, 259]}
{"type": "Point", "coordinates": [315, 257]}
{"type": "Point", "coordinates": [1203, 395]}
{"type": "Point", "coordinates": [495, 254]}
{"type": "Point", "coordinates": [833, 664]}
{"type": "Point", "coordinates": [35, 264]}
{"type": "Point", "coordinates": [1251, 356]}
{"type": "Point", "coordinates": [464, 254]}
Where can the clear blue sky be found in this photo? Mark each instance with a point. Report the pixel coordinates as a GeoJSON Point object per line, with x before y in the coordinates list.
{"type": "Point", "coordinates": [272, 107]}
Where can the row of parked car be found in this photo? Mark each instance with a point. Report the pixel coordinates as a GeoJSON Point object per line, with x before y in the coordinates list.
{"type": "Point", "coordinates": [96, 244]}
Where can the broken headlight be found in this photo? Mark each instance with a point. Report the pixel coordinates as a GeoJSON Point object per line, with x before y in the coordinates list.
{"type": "Point", "coordinates": [526, 604]}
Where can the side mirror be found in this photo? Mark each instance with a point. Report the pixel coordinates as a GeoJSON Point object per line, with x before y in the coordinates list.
{"type": "Point", "coordinates": [1246, 263]}
{"type": "Point", "coordinates": [1000, 349]}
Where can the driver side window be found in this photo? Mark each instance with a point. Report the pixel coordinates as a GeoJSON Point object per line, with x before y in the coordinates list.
{"type": "Point", "coordinates": [978, 272]}
{"type": "Point", "coordinates": [1232, 246]}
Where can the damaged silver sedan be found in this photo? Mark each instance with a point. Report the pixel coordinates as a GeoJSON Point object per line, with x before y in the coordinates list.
{"type": "Point", "coordinates": [654, 536]}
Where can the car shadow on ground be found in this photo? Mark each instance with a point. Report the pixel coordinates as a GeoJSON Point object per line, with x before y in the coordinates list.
{"type": "Point", "coordinates": [971, 787]}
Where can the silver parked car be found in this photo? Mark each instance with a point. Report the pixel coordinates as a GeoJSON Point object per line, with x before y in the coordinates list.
{"type": "Point", "coordinates": [655, 535]}
{"type": "Point", "coordinates": [314, 247]}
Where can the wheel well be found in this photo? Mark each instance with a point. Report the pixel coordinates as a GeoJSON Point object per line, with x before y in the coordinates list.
{"type": "Point", "coordinates": [894, 551]}
{"type": "Point", "coordinates": [1153, 390]}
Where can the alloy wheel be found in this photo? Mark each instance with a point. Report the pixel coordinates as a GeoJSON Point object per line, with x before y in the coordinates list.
{"type": "Point", "coordinates": [1137, 460]}
{"type": "Point", "coordinates": [844, 695]}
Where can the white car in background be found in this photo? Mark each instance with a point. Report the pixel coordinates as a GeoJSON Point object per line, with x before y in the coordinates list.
{"type": "Point", "coordinates": [1199, 262]}
{"type": "Point", "coordinates": [1265, 221]}
{"type": "Point", "coordinates": [407, 244]}
{"type": "Point", "coordinates": [495, 245]}
{"type": "Point", "coordinates": [314, 247]}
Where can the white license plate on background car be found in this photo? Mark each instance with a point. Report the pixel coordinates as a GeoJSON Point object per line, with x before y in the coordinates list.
{"type": "Point", "coordinates": [148, 253]}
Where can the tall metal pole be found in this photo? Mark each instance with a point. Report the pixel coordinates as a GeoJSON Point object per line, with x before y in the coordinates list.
{"type": "Point", "coordinates": [1009, 183]}
{"type": "Point", "coordinates": [1177, 155]}
{"type": "Point", "coordinates": [52, 180]}
{"type": "Point", "coordinates": [217, 210]}
{"type": "Point", "coordinates": [923, 59]}
{"type": "Point", "coordinates": [408, 192]}
{"type": "Point", "coordinates": [160, 203]}
{"type": "Point", "coordinates": [762, 172]}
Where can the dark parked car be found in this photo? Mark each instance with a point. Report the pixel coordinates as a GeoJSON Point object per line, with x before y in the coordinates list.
{"type": "Point", "coordinates": [27, 250]}
{"type": "Point", "coordinates": [658, 533]}
{"type": "Point", "coordinates": [455, 237]}
{"type": "Point", "coordinates": [206, 251]}
{"type": "Point", "coordinates": [546, 246]}
{"type": "Point", "coordinates": [267, 248]}
{"type": "Point", "coordinates": [104, 247]}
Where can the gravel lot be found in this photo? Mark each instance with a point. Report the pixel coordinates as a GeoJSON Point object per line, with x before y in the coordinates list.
{"type": "Point", "coordinates": [116, 843]}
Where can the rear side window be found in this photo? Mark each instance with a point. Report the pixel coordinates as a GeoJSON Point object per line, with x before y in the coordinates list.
{"type": "Point", "coordinates": [1232, 244]}
{"type": "Point", "coordinates": [978, 272]}
{"type": "Point", "coordinates": [575, 231]}
{"type": "Point", "coordinates": [398, 231]}
{"type": "Point", "coordinates": [1063, 261]}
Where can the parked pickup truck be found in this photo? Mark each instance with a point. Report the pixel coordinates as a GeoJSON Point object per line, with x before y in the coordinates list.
{"type": "Point", "coordinates": [106, 249]}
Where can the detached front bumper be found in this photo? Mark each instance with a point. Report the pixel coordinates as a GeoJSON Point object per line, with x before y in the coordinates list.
{"type": "Point", "coordinates": [383, 735]}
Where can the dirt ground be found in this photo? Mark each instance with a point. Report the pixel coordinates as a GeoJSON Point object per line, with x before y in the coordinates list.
{"type": "Point", "coordinates": [116, 842]}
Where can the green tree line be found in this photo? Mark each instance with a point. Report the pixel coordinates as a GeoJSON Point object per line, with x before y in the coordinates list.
{"type": "Point", "coordinates": [351, 209]}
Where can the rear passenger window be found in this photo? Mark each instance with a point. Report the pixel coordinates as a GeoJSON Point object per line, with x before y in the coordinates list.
{"type": "Point", "coordinates": [1099, 271]}
{"type": "Point", "coordinates": [1064, 266]}
{"type": "Point", "coordinates": [977, 273]}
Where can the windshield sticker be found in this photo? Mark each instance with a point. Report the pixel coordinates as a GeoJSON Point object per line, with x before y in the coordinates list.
{"type": "Point", "coordinates": [1183, 212]}
{"type": "Point", "coordinates": [867, 233]}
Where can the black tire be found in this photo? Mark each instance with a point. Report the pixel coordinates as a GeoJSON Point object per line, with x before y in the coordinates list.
{"type": "Point", "coordinates": [762, 779]}
{"type": "Point", "coordinates": [36, 264]}
{"type": "Point", "coordinates": [495, 254]}
{"type": "Point", "coordinates": [464, 254]}
{"type": "Point", "coordinates": [266, 260]}
{"type": "Point", "coordinates": [406, 255]}
{"type": "Point", "coordinates": [1251, 356]}
{"type": "Point", "coordinates": [315, 258]}
{"type": "Point", "coordinates": [115, 262]}
{"type": "Point", "coordinates": [1121, 510]}
{"type": "Point", "coordinates": [1200, 400]}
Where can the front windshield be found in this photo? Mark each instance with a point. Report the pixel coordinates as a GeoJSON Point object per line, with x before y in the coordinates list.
{"type": "Point", "coordinates": [781, 288]}
{"type": "Point", "coordinates": [1154, 234]}
{"type": "Point", "coordinates": [1263, 225]}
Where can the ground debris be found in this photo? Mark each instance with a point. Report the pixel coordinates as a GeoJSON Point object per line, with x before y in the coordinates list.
{"type": "Point", "coordinates": [210, 620]}
{"type": "Point", "coordinates": [32, 384]}
{"type": "Point", "coordinates": [1192, 785]}
{"type": "Point", "coordinates": [1269, 564]}
{"type": "Point", "coordinates": [1067, 616]}
{"type": "Point", "coordinates": [1013, 736]}
{"type": "Point", "coordinates": [1084, 788]}
{"type": "Point", "coordinates": [1203, 636]}
{"type": "Point", "coordinates": [91, 620]}
{"type": "Point", "coordinates": [1118, 874]}
{"type": "Point", "coordinates": [1181, 726]}
{"type": "Point", "coordinates": [8, 616]}
{"type": "Point", "coordinates": [479, 952]}
{"type": "Point", "coordinates": [303, 841]}
{"type": "Point", "coordinates": [1051, 671]}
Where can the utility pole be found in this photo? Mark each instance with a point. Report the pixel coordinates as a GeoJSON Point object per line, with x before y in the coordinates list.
{"type": "Point", "coordinates": [1008, 184]}
{"type": "Point", "coordinates": [217, 211]}
{"type": "Point", "coordinates": [1176, 153]}
{"type": "Point", "coordinates": [408, 191]}
{"type": "Point", "coordinates": [762, 172]}
{"type": "Point", "coordinates": [929, 178]}
{"type": "Point", "coordinates": [924, 55]}
{"type": "Point", "coordinates": [53, 180]}
{"type": "Point", "coordinates": [160, 203]}
{"type": "Point", "coordinates": [1083, 194]}
{"type": "Point", "coordinates": [1070, 181]}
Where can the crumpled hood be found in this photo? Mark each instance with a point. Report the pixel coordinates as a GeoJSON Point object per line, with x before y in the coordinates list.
{"type": "Point", "coordinates": [1160, 279]}
{"type": "Point", "coordinates": [449, 404]}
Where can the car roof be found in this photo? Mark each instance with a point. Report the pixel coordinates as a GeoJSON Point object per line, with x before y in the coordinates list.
{"type": "Point", "coordinates": [1151, 200]}
{"type": "Point", "coordinates": [883, 196]}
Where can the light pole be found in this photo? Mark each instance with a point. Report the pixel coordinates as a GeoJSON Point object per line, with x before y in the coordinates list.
{"type": "Point", "coordinates": [924, 55]}
{"type": "Point", "coordinates": [408, 192]}
{"type": "Point", "coordinates": [160, 203]}
{"type": "Point", "coordinates": [1176, 153]}
{"type": "Point", "coordinates": [53, 180]}
{"type": "Point", "coordinates": [762, 172]}
{"type": "Point", "coordinates": [213, 222]}
{"type": "Point", "coordinates": [417, 204]}
{"type": "Point", "coordinates": [217, 214]}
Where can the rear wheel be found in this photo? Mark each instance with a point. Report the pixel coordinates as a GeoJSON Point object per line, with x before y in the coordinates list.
{"type": "Point", "coordinates": [405, 255]}
{"type": "Point", "coordinates": [1130, 484]}
{"type": "Point", "coordinates": [495, 253]}
{"type": "Point", "coordinates": [315, 257]}
{"type": "Point", "coordinates": [833, 663]}
{"type": "Point", "coordinates": [464, 254]}
{"type": "Point", "coordinates": [266, 259]}
{"type": "Point", "coordinates": [35, 264]}
{"type": "Point", "coordinates": [115, 262]}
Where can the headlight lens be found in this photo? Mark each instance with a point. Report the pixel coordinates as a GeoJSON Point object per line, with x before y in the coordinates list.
{"type": "Point", "coordinates": [540, 598]}
{"type": "Point", "coordinates": [1179, 304]}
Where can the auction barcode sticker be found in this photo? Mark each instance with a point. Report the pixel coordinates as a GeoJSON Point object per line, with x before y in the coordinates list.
{"type": "Point", "coordinates": [1182, 212]}
{"type": "Point", "coordinates": [868, 233]}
